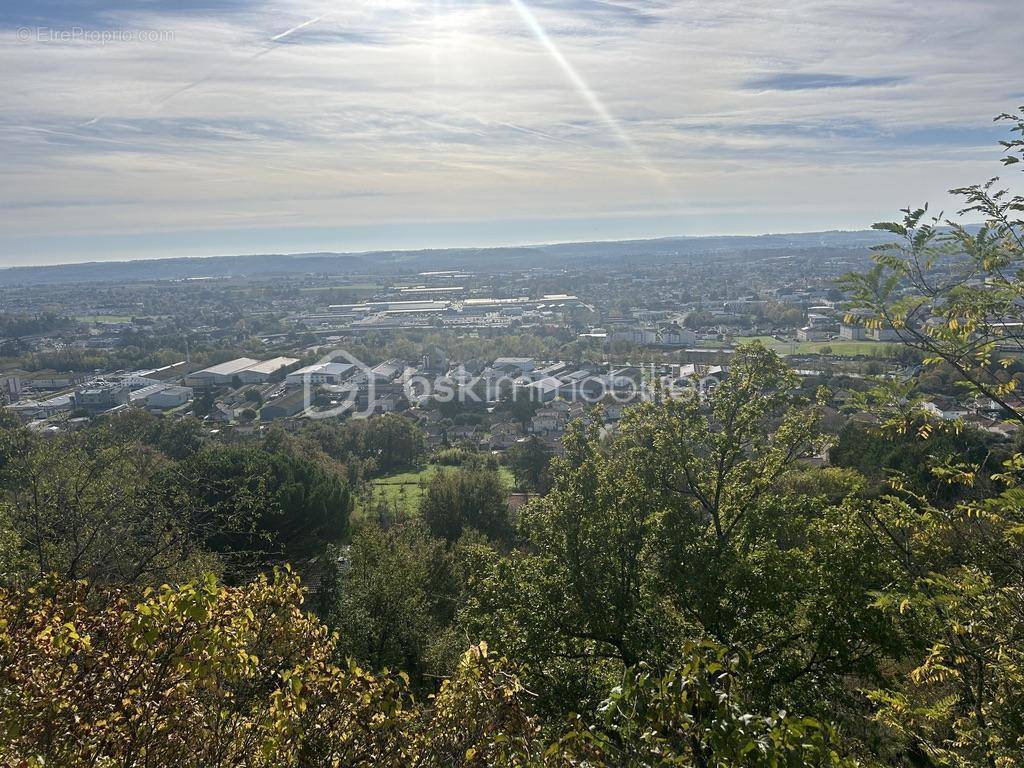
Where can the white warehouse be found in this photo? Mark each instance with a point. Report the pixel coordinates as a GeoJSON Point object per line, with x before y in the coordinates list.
{"type": "Point", "coordinates": [320, 373]}
{"type": "Point", "coordinates": [248, 371]}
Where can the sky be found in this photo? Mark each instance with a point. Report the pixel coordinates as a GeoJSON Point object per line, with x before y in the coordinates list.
{"type": "Point", "coordinates": [151, 128]}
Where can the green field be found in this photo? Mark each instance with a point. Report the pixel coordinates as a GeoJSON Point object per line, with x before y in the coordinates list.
{"type": "Point", "coordinates": [404, 489]}
{"type": "Point", "coordinates": [838, 347]}
{"type": "Point", "coordinates": [845, 348]}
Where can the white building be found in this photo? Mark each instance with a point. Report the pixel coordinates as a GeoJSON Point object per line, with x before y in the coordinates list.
{"type": "Point", "coordinates": [262, 371]}
{"type": "Point", "coordinates": [101, 396]}
{"type": "Point", "coordinates": [883, 334]}
{"type": "Point", "coordinates": [944, 408]}
{"type": "Point", "coordinates": [170, 397]}
{"type": "Point", "coordinates": [222, 373]}
{"type": "Point", "coordinates": [810, 333]}
{"type": "Point", "coordinates": [636, 335]}
{"type": "Point", "coordinates": [677, 336]}
{"type": "Point", "coordinates": [515, 366]}
{"type": "Point", "coordinates": [10, 388]}
{"type": "Point", "coordinates": [851, 332]}
{"type": "Point", "coordinates": [320, 373]}
{"type": "Point", "coordinates": [248, 371]}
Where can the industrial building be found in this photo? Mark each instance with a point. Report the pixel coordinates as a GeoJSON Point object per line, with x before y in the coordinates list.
{"type": "Point", "coordinates": [320, 373]}
{"type": "Point", "coordinates": [170, 397]}
{"type": "Point", "coordinates": [261, 372]}
{"type": "Point", "coordinates": [101, 396]}
{"type": "Point", "coordinates": [247, 370]}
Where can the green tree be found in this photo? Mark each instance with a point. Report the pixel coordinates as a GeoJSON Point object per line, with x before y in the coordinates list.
{"type": "Point", "coordinates": [267, 503]}
{"type": "Point", "coordinates": [83, 506]}
{"type": "Point", "coordinates": [529, 462]}
{"type": "Point", "coordinates": [952, 291]}
{"type": "Point", "coordinates": [202, 675]}
{"type": "Point", "coordinates": [698, 714]}
{"type": "Point", "coordinates": [960, 594]}
{"type": "Point", "coordinates": [394, 441]}
{"type": "Point", "coordinates": [203, 405]}
{"type": "Point", "coordinates": [392, 597]}
{"type": "Point", "coordinates": [174, 438]}
{"type": "Point", "coordinates": [466, 498]}
{"type": "Point", "coordinates": [681, 525]}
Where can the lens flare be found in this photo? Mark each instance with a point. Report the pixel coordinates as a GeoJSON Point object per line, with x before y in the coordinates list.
{"type": "Point", "coordinates": [583, 88]}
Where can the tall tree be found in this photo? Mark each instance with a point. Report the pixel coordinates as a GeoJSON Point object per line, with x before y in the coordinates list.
{"type": "Point", "coordinates": [955, 291]}
{"type": "Point", "coordinates": [457, 500]}
{"type": "Point", "coordinates": [682, 525]}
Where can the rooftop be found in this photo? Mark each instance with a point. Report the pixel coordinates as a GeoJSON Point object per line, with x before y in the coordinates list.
{"type": "Point", "coordinates": [229, 368]}
{"type": "Point", "coordinates": [274, 364]}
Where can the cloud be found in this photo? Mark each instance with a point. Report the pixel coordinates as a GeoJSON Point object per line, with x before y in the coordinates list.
{"type": "Point", "coordinates": [385, 112]}
{"type": "Point", "coordinates": [804, 81]}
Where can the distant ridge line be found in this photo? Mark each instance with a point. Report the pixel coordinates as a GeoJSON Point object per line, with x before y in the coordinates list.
{"type": "Point", "coordinates": [494, 258]}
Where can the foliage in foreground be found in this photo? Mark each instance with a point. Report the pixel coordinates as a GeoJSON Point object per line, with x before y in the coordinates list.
{"type": "Point", "coordinates": [208, 675]}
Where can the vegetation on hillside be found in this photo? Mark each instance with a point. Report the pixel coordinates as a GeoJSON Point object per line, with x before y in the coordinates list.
{"type": "Point", "coordinates": [689, 589]}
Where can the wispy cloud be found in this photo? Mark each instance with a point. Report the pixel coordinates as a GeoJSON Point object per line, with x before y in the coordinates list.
{"type": "Point", "coordinates": [808, 81]}
{"type": "Point", "coordinates": [321, 117]}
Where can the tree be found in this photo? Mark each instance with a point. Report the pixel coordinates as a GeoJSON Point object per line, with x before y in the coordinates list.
{"type": "Point", "coordinates": [267, 503]}
{"type": "Point", "coordinates": [394, 441]}
{"type": "Point", "coordinates": [529, 463]}
{"type": "Point", "coordinates": [393, 599]}
{"type": "Point", "coordinates": [83, 506]}
{"type": "Point", "coordinates": [390, 441]}
{"type": "Point", "coordinates": [698, 714]}
{"type": "Point", "coordinates": [881, 454]}
{"type": "Point", "coordinates": [203, 405]}
{"type": "Point", "coordinates": [682, 525]}
{"type": "Point", "coordinates": [960, 592]}
{"type": "Point", "coordinates": [952, 291]}
{"type": "Point", "coordinates": [519, 409]}
{"type": "Point", "coordinates": [196, 675]}
{"type": "Point", "coordinates": [175, 438]}
{"type": "Point", "coordinates": [465, 498]}
{"type": "Point", "coordinates": [202, 675]}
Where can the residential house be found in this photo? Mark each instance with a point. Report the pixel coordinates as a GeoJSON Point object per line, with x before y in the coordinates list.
{"type": "Point", "coordinates": [503, 435]}
{"type": "Point", "coordinates": [462, 432]}
{"type": "Point", "coordinates": [945, 408]}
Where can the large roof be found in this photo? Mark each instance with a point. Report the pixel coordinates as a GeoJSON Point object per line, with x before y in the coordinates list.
{"type": "Point", "coordinates": [330, 369]}
{"type": "Point", "coordinates": [274, 364]}
{"type": "Point", "coordinates": [230, 368]}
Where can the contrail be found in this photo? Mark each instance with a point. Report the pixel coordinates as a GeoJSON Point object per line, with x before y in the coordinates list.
{"type": "Point", "coordinates": [581, 86]}
{"type": "Point", "coordinates": [296, 28]}
{"type": "Point", "coordinates": [268, 47]}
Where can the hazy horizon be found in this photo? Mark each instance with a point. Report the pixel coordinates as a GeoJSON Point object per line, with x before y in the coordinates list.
{"type": "Point", "coordinates": [438, 248]}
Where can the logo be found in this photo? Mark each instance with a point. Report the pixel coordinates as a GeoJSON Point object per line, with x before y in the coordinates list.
{"type": "Point", "coordinates": [355, 387]}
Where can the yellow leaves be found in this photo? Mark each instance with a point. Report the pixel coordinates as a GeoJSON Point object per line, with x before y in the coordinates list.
{"type": "Point", "coordinates": [159, 666]}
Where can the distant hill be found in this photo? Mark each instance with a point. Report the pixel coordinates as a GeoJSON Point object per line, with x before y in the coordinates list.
{"type": "Point", "coordinates": [482, 259]}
